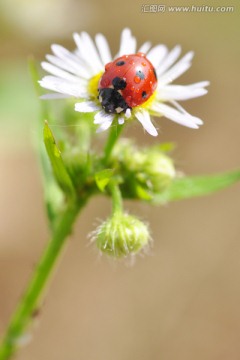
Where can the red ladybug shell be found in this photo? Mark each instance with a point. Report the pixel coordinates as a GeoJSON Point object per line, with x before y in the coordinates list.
{"type": "Point", "coordinates": [132, 76]}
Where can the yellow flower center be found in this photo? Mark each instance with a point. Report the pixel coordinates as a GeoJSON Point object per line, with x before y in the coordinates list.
{"type": "Point", "coordinates": [93, 85]}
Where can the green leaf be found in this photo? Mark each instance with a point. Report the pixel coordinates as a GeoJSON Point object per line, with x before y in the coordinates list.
{"type": "Point", "coordinates": [103, 177]}
{"type": "Point", "coordinates": [54, 201]}
{"type": "Point", "coordinates": [188, 187]}
{"type": "Point", "coordinates": [53, 195]}
{"type": "Point", "coordinates": [61, 175]}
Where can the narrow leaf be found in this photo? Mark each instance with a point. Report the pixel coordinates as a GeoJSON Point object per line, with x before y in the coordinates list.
{"type": "Point", "coordinates": [188, 187]}
{"type": "Point", "coordinates": [59, 169]}
{"type": "Point", "coordinates": [102, 178]}
{"type": "Point", "coordinates": [53, 195]}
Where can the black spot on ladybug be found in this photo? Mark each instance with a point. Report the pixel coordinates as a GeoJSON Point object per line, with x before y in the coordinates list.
{"type": "Point", "coordinates": [118, 83]}
{"type": "Point", "coordinates": [144, 94]}
{"type": "Point", "coordinates": [140, 74]}
{"type": "Point", "coordinates": [120, 63]}
{"type": "Point", "coordinates": [155, 74]}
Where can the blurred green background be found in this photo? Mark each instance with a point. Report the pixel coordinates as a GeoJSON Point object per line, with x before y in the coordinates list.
{"type": "Point", "coordinates": [182, 301]}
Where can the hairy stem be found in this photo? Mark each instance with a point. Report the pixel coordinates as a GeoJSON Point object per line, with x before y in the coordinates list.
{"type": "Point", "coordinates": [31, 300]}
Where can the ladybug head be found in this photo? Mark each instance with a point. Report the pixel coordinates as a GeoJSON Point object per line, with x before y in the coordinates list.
{"type": "Point", "coordinates": [110, 95]}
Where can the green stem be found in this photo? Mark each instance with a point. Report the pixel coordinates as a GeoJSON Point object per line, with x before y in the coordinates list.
{"type": "Point", "coordinates": [117, 205]}
{"type": "Point", "coordinates": [114, 133]}
{"type": "Point", "coordinates": [29, 304]}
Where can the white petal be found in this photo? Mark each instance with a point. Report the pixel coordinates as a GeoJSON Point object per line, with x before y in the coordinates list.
{"type": "Point", "coordinates": [91, 49]}
{"type": "Point", "coordinates": [66, 55]}
{"type": "Point", "coordinates": [145, 47]}
{"type": "Point", "coordinates": [87, 52]}
{"type": "Point", "coordinates": [58, 72]}
{"type": "Point", "coordinates": [182, 110]}
{"type": "Point", "coordinates": [127, 43]}
{"type": "Point", "coordinates": [59, 51]}
{"type": "Point", "coordinates": [104, 126]}
{"type": "Point", "coordinates": [181, 92]}
{"type": "Point", "coordinates": [64, 86]}
{"type": "Point", "coordinates": [144, 118]}
{"type": "Point", "coordinates": [178, 69]}
{"type": "Point", "coordinates": [128, 113]}
{"type": "Point", "coordinates": [102, 117]}
{"type": "Point", "coordinates": [121, 120]}
{"type": "Point", "coordinates": [169, 60]}
{"type": "Point", "coordinates": [78, 64]}
{"type": "Point", "coordinates": [53, 96]}
{"type": "Point", "coordinates": [69, 65]}
{"type": "Point", "coordinates": [156, 54]}
{"type": "Point", "coordinates": [176, 116]}
{"type": "Point", "coordinates": [86, 106]}
{"type": "Point", "coordinates": [103, 49]}
{"type": "Point", "coordinates": [80, 53]}
{"type": "Point", "coordinates": [200, 84]}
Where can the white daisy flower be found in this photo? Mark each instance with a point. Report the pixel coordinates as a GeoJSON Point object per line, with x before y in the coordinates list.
{"type": "Point", "coordinates": [132, 84]}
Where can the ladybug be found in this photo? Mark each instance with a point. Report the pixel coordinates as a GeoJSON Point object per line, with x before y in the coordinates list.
{"type": "Point", "coordinates": [128, 81]}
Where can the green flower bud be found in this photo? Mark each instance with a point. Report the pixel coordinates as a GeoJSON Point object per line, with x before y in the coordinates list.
{"type": "Point", "coordinates": [148, 169]}
{"type": "Point", "coordinates": [157, 170]}
{"type": "Point", "coordinates": [121, 235]}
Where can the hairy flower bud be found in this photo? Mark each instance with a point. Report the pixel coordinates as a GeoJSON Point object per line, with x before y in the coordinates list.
{"type": "Point", "coordinates": [121, 235]}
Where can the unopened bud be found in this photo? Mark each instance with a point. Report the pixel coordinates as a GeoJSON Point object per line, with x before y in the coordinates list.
{"type": "Point", "coordinates": [157, 170]}
{"type": "Point", "coordinates": [149, 168]}
{"type": "Point", "coordinates": [121, 235]}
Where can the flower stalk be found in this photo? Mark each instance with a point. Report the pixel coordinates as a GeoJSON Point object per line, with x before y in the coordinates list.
{"type": "Point", "coordinates": [31, 300]}
{"type": "Point", "coordinates": [117, 206]}
{"type": "Point", "coordinates": [113, 136]}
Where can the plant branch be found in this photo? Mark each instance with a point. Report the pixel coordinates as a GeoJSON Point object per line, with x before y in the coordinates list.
{"type": "Point", "coordinates": [31, 300]}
